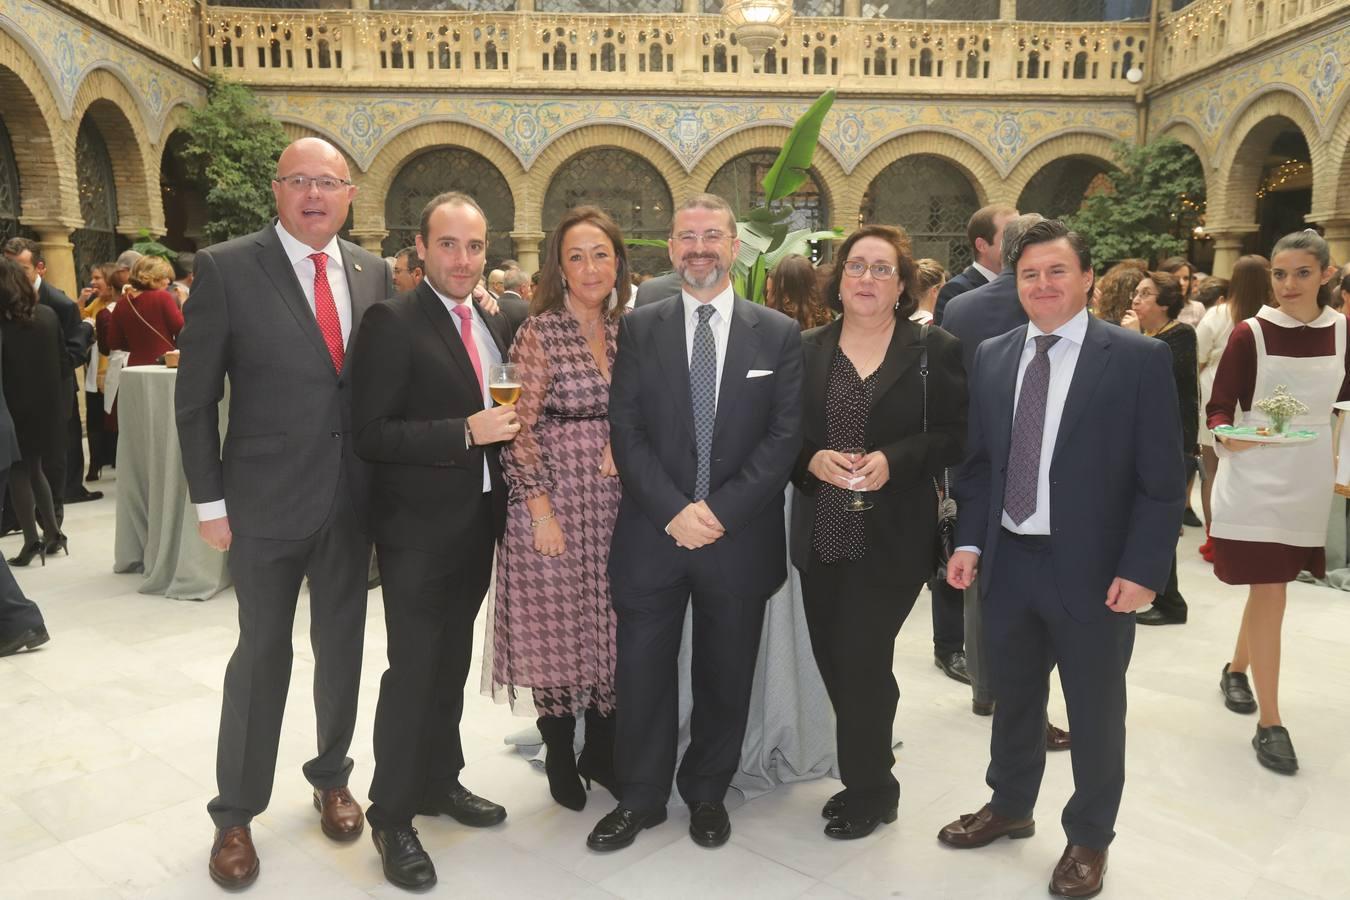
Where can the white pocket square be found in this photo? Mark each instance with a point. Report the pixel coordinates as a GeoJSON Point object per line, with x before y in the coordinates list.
{"type": "Point", "coordinates": [758, 373]}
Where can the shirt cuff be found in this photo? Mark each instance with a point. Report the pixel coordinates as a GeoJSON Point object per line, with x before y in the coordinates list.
{"type": "Point", "coordinates": [208, 511]}
{"type": "Point", "coordinates": [975, 550]}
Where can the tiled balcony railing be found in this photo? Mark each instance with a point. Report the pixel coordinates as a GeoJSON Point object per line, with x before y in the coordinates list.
{"type": "Point", "coordinates": [1207, 32]}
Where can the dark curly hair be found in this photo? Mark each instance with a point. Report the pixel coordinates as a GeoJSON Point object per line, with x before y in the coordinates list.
{"type": "Point", "coordinates": [18, 297]}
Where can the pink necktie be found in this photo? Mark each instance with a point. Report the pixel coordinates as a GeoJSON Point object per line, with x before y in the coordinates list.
{"type": "Point", "coordinates": [325, 310]}
{"type": "Point", "coordinates": [466, 335]}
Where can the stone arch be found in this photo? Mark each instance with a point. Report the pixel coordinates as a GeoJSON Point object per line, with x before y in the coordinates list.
{"type": "Point", "coordinates": [394, 155]}
{"type": "Point", "coordinates": [972, 163]}
{"type": "Point", "coordinates": [830, 174]}
{"type": "Point", "coordinates": [295, 131]}
{"type": "Point", "coordinates": [1078, 144]}
{"type": "Point", "coordinates": [105, 98]}
{"type": "Point", "coordinates": [1183, 131]}
{"type": "Point", "coordinates": [1334, 200]}
{"type": "Point", "coordinates": [48, 188]}
{"type": "Point", "coordinates": [1232, 201]}
{"type": "Point", "coordinates": [529, 204]}
{"type": "Point", "coordinates": [184, 206]}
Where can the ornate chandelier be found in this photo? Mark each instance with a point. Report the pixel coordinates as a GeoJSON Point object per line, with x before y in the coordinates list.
{"type": "Point", "coordinates": [757, 24]}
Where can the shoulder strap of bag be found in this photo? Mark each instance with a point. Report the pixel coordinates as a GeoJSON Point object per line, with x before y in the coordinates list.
{"type": "Point", "coordinates": [923, 377]}
{"type": "Point", "coordinates": [147, 324]}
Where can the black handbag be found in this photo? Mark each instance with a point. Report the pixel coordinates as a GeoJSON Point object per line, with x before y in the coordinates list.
{"type": "Point", "coordinates": [946, 511]}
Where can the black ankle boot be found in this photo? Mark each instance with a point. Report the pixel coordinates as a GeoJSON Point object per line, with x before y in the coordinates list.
{"type": "Point", "coordinates": [561, 763]}
{"type": "Point", "coordinates": [597, 755]}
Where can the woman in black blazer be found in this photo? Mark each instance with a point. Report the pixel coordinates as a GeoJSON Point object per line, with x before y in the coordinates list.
{"type": "Point", "coordinates": [862, 570]}
{"type": "Point", "coordinates": [33, 350]}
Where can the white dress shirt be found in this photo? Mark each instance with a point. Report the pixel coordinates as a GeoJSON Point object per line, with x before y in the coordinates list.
{"type": "Point", "coordinates": [488, 354]}
{"type": "Point", "coordinates": [989, 274]}
{"type": "Point", "coordinates": [298, 252]}
{"type": "Point", "coordinates": [719, 322]}
{"type": "Point", "coordinates": [1063, 360]}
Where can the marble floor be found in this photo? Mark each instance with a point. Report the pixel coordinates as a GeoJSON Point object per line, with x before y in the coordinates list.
{"type": "Point", "coordinates": [107, 741]}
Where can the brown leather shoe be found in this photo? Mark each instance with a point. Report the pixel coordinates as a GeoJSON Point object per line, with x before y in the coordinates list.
{"type": "Point", "coordinates": [1079, 873]}
{"type": "Point", "coordinates": [339, 815]}
{"type": "Point", "coordinates": [234, 862]}
{"type": "Point", "coordinates": [984, 827]}
{"type": "Point", "coordinates": [1056, 738]}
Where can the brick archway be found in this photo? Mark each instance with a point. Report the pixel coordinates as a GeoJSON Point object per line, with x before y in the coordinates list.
{"type": "Point", "coordinates": [105, 99]}
{"type": "Point", "coordinates": [49, 192]}
{"type": "Point", "coordinates": [1093, 146]}
{"type": "Point", "coordinates": [967, 159]}
{"type": "Point", "coordinates": [1232, 200]}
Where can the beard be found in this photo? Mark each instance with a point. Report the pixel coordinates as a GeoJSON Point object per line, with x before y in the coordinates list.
{"type": "Point", "coordinates": [715, 274]}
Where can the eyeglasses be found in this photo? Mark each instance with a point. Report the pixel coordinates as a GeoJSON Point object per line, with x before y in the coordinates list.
{"type": "Point", "coordinates": [325, 183]}
{"type": "Point", "coordinates": [854, 268]}
{"type": "Point", "coordinates": [710, 238]}
{"type": "Point", "coordinates": [1143, 295]}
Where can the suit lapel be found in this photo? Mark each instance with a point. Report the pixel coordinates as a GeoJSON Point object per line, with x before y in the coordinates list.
{"type": "Point", "coordinates": [742, 344]}
{"type": "Point", "coordinates": [278, 268]}
{"type": "Point", "coordinates": [360, 298]}
{"type": "Point", "coordinates": [902, 353]}
{"type": "Point", "coordinates": [674, 356]}
{"type": "Point", "coordinates": [445, 326]}
{"type": "Point", "coordinates": [1093, 357]}
{"type": "Point", "coordinates": [819, 352]}
{"type": "Point", "coordinates": [500, 331]}
{"type": "Point", "coordinates": [1001, 366]}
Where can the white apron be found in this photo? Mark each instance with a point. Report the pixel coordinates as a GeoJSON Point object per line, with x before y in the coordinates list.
{"type": "Point", "coordinates": [1278, 494]}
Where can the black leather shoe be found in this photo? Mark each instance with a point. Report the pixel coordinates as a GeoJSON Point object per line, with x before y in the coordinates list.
{"type": "Point", "coordinates": [1155, 616]}
{"type": "Point", "coordinates": [406, 864]}
{"type": "Point", "coordinates": [846, 827]}
{"type": "Point", "coordinates": [1190, 519]}
{"type": "Point", "coordinates": [982, 707]}
{"type": "Point", "coordinates": [58, 544]}
{"type": "Point", "coordinates": [834, 806]}
{"type": "Point", "coordinates": [464, 806]}
{"type": "Point", "coordinates": [85, 497]}
{"type": "Point", "coordinates": [1237, 693]}
{"type": "Point", "coordinates": [1275, 750]}
{"type": "Point", "coordinates": [26, 639]}
{"type": "Point", "coordinates": [953, 666]}
{"type": "Point", "coordinates": [709, 824]}
{"type": "Point", "coordinates": [619, 828]}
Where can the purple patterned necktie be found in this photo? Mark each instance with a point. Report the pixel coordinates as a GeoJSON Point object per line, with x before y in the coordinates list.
{"type": "Point", "coordinates": [1024, 453]}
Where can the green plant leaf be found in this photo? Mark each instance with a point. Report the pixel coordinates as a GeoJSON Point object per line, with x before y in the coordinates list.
{"type": "Point", "coordinates": [645, 242]}
{"type": "Point", "coordinates": [790, 169]}
{"type": "Point", "coordinates": [796, 242]}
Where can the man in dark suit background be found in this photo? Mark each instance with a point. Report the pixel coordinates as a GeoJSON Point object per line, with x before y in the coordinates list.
{"type": "Point", "coordinates": [511, 301]}
{"type": "Point", "coordinates": [425, 420]}
{"type": "Point", "coordinates": [660, 287]}
{"type": "Point", "coordinates": [408, 270]}
{"type": "Point", "coordinates": [985, 231]}
{"type": "Point", "coordinates": [705, 425]}
{"type": "Point", "coordinates": [1069, 509]}
{"type": "Point", "coordinates": [274, 312]}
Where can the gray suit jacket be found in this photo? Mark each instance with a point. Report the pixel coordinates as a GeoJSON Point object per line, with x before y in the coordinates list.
{"type": "Point", "coordinates": [289, 444]}
{"type": "Point", "coordinates": [654, 290]}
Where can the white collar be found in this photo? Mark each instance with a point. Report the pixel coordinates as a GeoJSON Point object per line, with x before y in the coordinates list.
{"type": "Point", "coordinates": [297, 250]}
{"type": "Point", "coordinates": [1275, 316]}
{"type": "Point", "coordinates": [1073, 330]}
{"type": "Point", "coordinates": [451, 301]}
{"type": "Point", "coordinates": [37, 283]}
{"type": "Point", "coordinates": [723, 303]}
{"type": "Point", "coordinates": [989, 274]}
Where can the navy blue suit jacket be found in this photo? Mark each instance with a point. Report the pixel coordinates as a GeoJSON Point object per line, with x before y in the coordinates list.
{"type": "Point", "coordinates": [968, 280]}
{"type": "Point", "coordinates": [988, 311]}
{"type": "Point", "coordinates": [1117, 481]}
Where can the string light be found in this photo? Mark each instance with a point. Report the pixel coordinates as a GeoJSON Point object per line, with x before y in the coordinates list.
{"type": "Point", "coordinates": [1281, 175]}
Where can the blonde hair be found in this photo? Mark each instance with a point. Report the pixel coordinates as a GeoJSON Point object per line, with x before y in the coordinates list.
{"type": "Point", "coordinates": [149, 269]}
{"type": "Point", "coordinates": [930, 273]}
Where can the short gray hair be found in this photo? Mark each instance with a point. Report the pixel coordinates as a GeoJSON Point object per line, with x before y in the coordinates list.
{"type": "Point", "coordinates": [1013, 230]}
{"type": "Point", "coordinates": [515, 277]}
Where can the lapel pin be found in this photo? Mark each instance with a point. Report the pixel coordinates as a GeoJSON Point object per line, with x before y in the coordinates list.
{"type": "Point", "coordinates": [356, 266]}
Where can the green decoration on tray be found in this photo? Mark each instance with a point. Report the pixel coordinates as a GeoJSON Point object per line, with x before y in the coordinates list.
{"type": "Point", "coordinates": [1281, 406]}
{"type": "Point", "coordinates": [1252, 432]}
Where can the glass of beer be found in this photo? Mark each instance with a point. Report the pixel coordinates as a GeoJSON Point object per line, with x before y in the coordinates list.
{"type": "Point", "coordinates": [504, 383]}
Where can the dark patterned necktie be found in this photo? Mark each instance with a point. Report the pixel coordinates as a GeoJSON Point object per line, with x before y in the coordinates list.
{"type": "Point", "coordinates": [1024, 454]}
{"type": "Point", "coordinates": [703, 396]}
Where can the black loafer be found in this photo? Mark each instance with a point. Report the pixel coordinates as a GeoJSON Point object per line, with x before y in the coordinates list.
{"type": "Point", "coordinates": [406, 864]}
{"type": "Point", "coordinates": [851, 827]}
{"type": "Point", "coordinates": [1155, 616]}
{"type": "Point", "coordinates": [1274, 749]}
{"type": "Point", "coordinates": [1190, 519]}
{"type": "Point", "coordinates": [709, 824]}
{"type": "Point", "coordinates": [465, 807]}
{"type": "Point", "coordinates": [27, 639]}
{"type": "Point", "coordinates": [834, 806]}
{"type": "Point", "coordinates": [619, 828]}
{"type": "Point", "coordinates": [953, 665]}
{"type": "Point", "coordinates": [1237, 693]}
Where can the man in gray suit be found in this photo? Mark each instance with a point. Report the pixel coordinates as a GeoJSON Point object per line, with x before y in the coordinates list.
{"type": "Point", "coordinates": [275, 312]}
{"type": "Point", "coordinates": [658, 288]}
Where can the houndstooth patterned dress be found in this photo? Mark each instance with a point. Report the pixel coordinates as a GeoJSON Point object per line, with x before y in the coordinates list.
{"type": "Point", "coordinates": [553, 638]}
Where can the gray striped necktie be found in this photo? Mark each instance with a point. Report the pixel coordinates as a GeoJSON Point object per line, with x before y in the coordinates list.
{"type": "Point", "coordinates": [703, 395]}
{"type": "Point", "coordinates": [1024, 453]}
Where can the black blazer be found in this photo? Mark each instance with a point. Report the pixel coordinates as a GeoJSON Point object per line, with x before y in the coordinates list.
{"type": "Point", "coordinates": [968, 280]}
{"type": "Point", "coordinates": [9, 443]}
{"type": "Point", "coordinates": [755, 441]}
{"type": "Point", "coordinates": [75, 335]}
{"type": "Point", "coordinates": [1117, 483]}
{"type": "Point", "coordinates": [514, 309]}
{"type": "Point", "coordinates": [902, 524]}
{"type": "Point", "coordinates": [413, 386]}
{"type": "Point", "coordinates": [985, 312]}
{"type": "Point", "coordinates": [34, 385]}
{"type": "Point", "coordinates": [659, 288]}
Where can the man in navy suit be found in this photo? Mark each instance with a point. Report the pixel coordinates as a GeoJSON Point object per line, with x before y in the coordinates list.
{"type": "Point", "coordinates": [985, 231]}
{"type": "Point", "coordinates": [1065, 404]}
{"type": "Point", "coordinates": [705, 425]}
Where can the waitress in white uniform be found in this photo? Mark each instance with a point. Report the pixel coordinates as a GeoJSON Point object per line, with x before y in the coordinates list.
{"type": "Point", "coordinates": [1271, 502]}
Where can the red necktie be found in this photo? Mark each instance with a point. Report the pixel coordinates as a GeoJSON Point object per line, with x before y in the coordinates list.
{"type": "Point", "coordinates": [325, 310]}
{"type": "Point", "coordinates": [466, 335]}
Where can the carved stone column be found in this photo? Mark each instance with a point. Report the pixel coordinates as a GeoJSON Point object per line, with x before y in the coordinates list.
{"type": "Point", "coordinates": [1337, 233]}
{"type": "Point", "coordinates": [526, 244]}
{"type": "Point", "coordinates": [59, 254]}
{"type": "Point", "coordinates": [1227, 249]}
{"type": "Point", "coordinates": [371, 239]}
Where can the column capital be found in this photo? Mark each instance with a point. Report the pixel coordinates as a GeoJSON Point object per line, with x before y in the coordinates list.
{"type": "Point", "coordinates": [371, 239]}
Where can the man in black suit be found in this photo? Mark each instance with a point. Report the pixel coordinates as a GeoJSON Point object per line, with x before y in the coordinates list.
{"type": "Point", "coordinates": [408, 271]}
{"type": "Point", "coordinates": [274, 312]}
{"type": "Point", "coordinates": [985, 231]}
{"type": "Point", "coordinates": [511, 301]}
{"type": "Point", "coordinates": [658, 288]}
{"type": "Point", "coordinates": [424, 419]}
{"type": "Point", "coordinates": [1070, 509]}
{"type": "Point", "coordinates": [705, 425]}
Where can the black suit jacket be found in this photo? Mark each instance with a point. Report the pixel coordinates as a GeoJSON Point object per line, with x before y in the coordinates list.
{"type": "Point", "coordinates": [290, 413]}
{"type": "Point", "coordinates": [1117, 483]}
{"type": "Point", "coordinates": [514, 309]}
{"type": "Point", "coordinates": [9, 441]}
{"type": "Point", "coordinates": [77, 337]}
{"type": "Point", "coordinates": [985, 312]}
{"type": "Point", "coordinates": [902, 525]}
{"type": "Point", "coordinates": [755, 442]}
{"type": "Point", "coordinates": [654, 290]}
{"type": "Point", "coordinates": [968, 280]}
{"type": "Point", "coordinates": [413, 386]}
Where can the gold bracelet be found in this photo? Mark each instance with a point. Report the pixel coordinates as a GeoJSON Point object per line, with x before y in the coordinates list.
{"type": "Point", "coordinates": [535, 523]}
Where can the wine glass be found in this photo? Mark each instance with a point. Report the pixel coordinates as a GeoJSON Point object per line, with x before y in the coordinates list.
{"type": "Point", "coordinates": [504, 383]}
{"type": "Point", "coordinates": [857, 502]}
